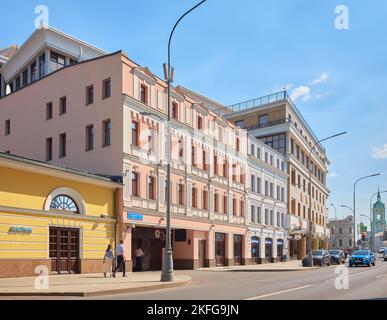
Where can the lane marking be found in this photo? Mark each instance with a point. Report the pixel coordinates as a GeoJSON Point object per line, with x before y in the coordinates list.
{"type": "Point", "coordinates": [381, 276]}
{"type": "Point", "coordinates": [278, 293]}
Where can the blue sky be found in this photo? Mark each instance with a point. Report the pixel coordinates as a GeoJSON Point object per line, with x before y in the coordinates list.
{"type": "Point", "coordinates": [236, 50]}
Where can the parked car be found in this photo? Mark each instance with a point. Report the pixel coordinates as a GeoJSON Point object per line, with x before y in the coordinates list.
{"type": "Point", "coordinates": [382, 250]}
{"type": "Point", "coordinates": [337, 256]}
{"type": "Point", "coordinates": [320, 258]}
{"type": "Point", "coordinates": [362, 258]}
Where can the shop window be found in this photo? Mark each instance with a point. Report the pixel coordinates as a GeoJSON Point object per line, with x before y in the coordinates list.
{"type": "Point", "coordinates": [180, 235]}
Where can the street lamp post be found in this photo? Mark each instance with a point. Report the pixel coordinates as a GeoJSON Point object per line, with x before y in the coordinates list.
{"type": "Point", "coordinates": [371, 218]}
{"type": "Point", "coordinates": [354, 203]}
{"type": "Point", "coordinates": [167, 273]}
{"type": "Point", "coordinates": [310, 256]}
{"type": "Point", "coordinates": [332, 205]}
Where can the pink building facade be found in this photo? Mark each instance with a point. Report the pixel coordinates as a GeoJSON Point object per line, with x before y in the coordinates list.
{"type": "Point", "coordinates": [103, 113]}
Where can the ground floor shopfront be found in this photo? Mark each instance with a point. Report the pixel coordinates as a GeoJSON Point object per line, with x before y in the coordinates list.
{"type": "Point", "coordinates": [267, 246]}
{"type": "Point", "coordinates": [196, 242]}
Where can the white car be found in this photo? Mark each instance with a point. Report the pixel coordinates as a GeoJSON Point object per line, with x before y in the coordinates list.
{"type": "Point", "coordinates": [381, 250]}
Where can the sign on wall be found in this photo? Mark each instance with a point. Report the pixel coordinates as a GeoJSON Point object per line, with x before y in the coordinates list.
{"type": "Point", "coordinates": [135, 216]}
{"type": "Point", "coordinates": [20, 230]}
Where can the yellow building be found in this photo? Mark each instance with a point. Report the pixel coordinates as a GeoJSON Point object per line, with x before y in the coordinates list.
{"type": "Point", "coordinates": [54, 217]}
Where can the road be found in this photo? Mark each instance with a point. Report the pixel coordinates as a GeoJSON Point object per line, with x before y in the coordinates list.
{"type": "Point", "coordinates": [364, 283]}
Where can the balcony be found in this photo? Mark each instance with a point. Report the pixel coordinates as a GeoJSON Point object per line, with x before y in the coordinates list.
{"type": "Point", "coordinates": [200, 213]}
{"type": "Point", "coordinates": [221, 216]}
{"type": "Point", "coordinates": [238, 220]}
{"type": "Point", "coordinates": [264, 101]}
{"type": "Point", "coordinates": [199, 172]}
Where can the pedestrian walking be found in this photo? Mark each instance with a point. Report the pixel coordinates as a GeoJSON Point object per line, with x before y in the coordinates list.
{"type": "Point", "coordinates": [138, 254]}
{"type": "Point", "coordinates": [108, 261]}
{"type": "Point", "coordinates": [121, 261]}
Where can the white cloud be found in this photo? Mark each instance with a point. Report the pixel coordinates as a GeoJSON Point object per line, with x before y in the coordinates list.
{"type": "Point", "coordinates": [323, 78]}
{"type": "Point", "coordinates": [301, 92]}
{"type": "Point", "coordinates": [332, 175]}
{"type": "Point", "coordinates": [379, 153]}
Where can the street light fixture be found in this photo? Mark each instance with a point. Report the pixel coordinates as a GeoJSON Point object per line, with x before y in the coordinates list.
{"type": "Point", "coordinates": [167, 273]}
{"type": "Point", "coordinates": [309, 262]}
{"type": "Point", "coordinates": [354, 203]}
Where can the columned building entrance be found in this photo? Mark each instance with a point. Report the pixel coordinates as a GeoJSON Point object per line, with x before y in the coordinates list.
{"type": "Point", "coordinates": [64, 250]}
{"type": "Point", "coordinates": [255, 250]}
{"type": "Point", "coordinates": [269, 250]}
{"type": "Point", "coordinates": [220, 249]}
{"type": "Point", "coordinates": [238, 250]}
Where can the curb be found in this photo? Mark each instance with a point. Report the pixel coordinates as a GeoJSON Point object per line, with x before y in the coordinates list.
{"type": "Point", "coordinates": [160, 286]}
{"type": "Point", "coordinates": [262, 270]}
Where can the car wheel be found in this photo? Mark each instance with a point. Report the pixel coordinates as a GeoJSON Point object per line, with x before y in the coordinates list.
{"type": "Point", "coordinates": [374, 263]}
{"type": "Point", "coordinates": [369, 265]}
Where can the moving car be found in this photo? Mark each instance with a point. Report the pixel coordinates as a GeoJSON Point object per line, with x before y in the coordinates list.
{"type": "Point", "coordinates": [320, 258]}
{"type": "Point", "coordinates": [337, 256]}
{"type": "Point", "coordinates": [362, 258]}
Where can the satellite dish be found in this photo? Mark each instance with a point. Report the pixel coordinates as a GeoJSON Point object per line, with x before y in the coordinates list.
{"type": "Point", "coordinates": [8, 90]}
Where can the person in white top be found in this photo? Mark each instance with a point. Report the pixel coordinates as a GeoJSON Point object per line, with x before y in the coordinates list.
{"type": "Point", "coordinates": [108, 261]}
{"type": "Point", "coordinates": [120, 252]}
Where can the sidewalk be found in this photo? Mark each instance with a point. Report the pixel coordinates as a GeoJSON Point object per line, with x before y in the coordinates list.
{"type": "Point", "coordinates": [270, 267]}
{"type": "Point", "coordinates": [89, 285]}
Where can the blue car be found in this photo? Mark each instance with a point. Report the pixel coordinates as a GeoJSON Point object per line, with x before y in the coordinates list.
{"type": "Point", "coordinates": [362, 258]}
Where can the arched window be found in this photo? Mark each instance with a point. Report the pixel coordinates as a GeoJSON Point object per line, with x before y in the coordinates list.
{"type": "Point", "coordinates": [64, 203]}
{"type": "Point", "coordinates": [66, 200]}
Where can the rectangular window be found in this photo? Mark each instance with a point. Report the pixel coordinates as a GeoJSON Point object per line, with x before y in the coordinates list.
{"type": "Point", "coordinates": [205, 200]}
{"type": "Point", "coordinates": [253, 183]}
{"type": "Point", "coordinates": [89, 95]}
{"type": "Point", "coordinates": [106, 133]}
{"type": "Point", "coordinates": [259, 185]}
{"type": "Point", "coordinates": [152, 188]}
{"type": "Point", "coordinates": [57, 61]}
{"type": "Point", "coordinates": [62, 105]}
{"type": "Point", "coordinates": [216, 165]}
{"type": "Point", "coordinates": [194, 198]}
{"type": "Point", "coordinates": [193, 156]}
{"type": "Point", "coordinates": [34, 71]}
{"type": "Point", "coordinates": [271, 190]}
{"type": "Point", "coordinates": [181, 150]}
{"type": "Point", "coordinates": [49, 149]}
{"type": "Point", "coordinates": [175, 111]}
{"type": "Point", "coordinates": [106, 88]}
{"type": "Point", "coordinates": [25, 78]}
{"type": "Point", "coordinates": [267, 216]}
{"type": "Point", "coordinates": [200, 123]}
{"type": "Point", "coordinates": [42, 62]}
{"type": "Point", "coordinates": [225, 204]}
{"type": "Point", "coordinates": [237, 144]}
{"type": "Point", "coordinates": [259, 220]}
{"type": "Point", "coordinates": [89, 137]}
{"type": "Point", "coordinates": [266, 188]}
{"type": "Point", "coordinates": [234, 207]}
{"type": "Point", "coordinates": [62, 145]}
{"type": "Point", "coordinates": [135, 133]}
{"type": "Point", "coordinates": [181, 194]}
{"type": "Point", "coordinates": [49, 112]}
{"type": "Point", "coordinates": [205, 166]}
{"type": "Point", "coordinates": [253, 214]}
{"type": "Point", "coordinates": [180, 235]}
{"type": "Point", "coordinates": [144, 94]}
{"type": "Point", "coordinates": [17, 83]}
{"type": "Point", "coordinates": [263, 121]}
{"type": "Point", "coordinates": [216, 202]}
{"type": "Point", "coordinates": [135, 184]}
{"type": "Point", "coordinates": [242, 208]}
{"type": "Point", "coordinates": [252, 150]}
{"type": "Point", "coordinates": [7, 127]}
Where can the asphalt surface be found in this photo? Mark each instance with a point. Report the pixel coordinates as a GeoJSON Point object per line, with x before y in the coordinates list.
{"type": "Point", "coordinates": [320, 284]}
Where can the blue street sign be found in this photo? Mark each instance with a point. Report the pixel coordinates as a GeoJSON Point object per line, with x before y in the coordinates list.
{"type": "Point", "coordinates": [135, 216]}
